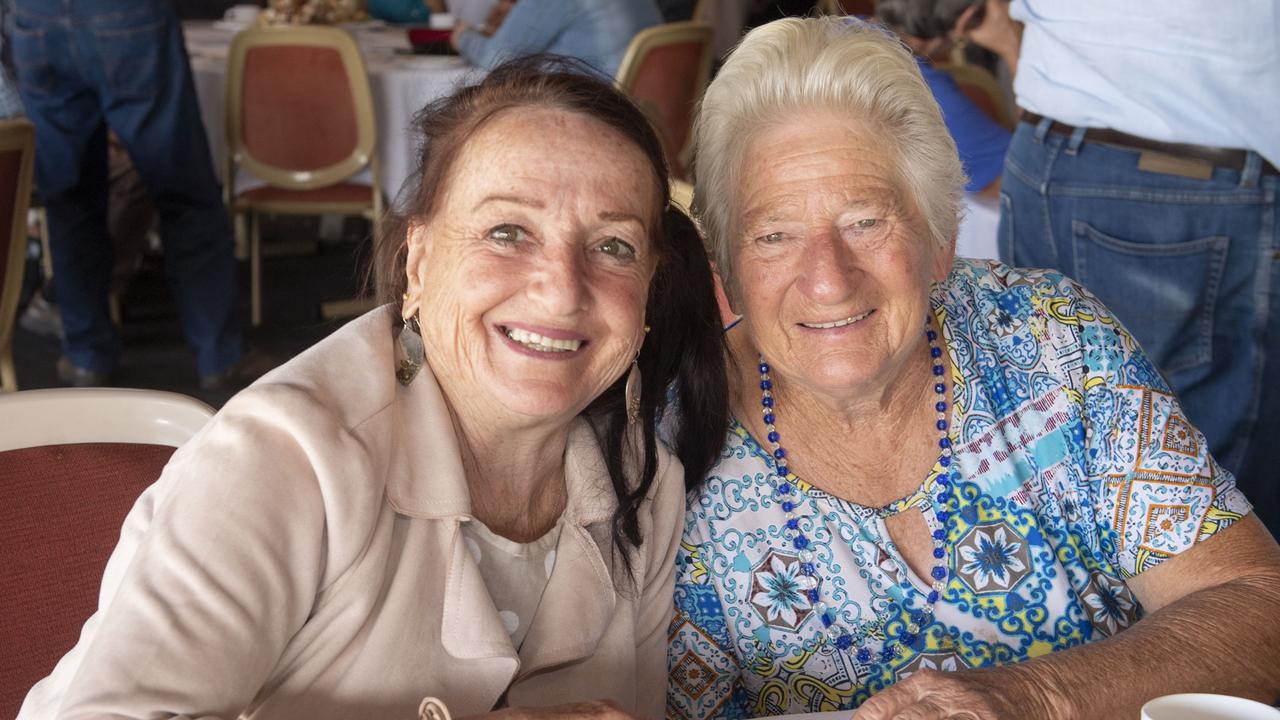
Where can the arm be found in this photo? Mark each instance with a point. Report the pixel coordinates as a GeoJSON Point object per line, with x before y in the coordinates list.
{"type": "Point", "coordinates": [654, 609]}
{"type": "Point", "coordinates": [1227, 587]}
{"type": "Point", "coordinates": [530, 28]}
{"type": "Point", "coordinates": [226, 574]}
{"type": "Point", "coordinates": [995, 31]}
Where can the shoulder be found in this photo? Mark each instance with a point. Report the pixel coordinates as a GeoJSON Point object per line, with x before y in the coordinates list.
{"type": "Point", "coordinates": [732, 487]}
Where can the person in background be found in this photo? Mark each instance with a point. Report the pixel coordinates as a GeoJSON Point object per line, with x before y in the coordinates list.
{"type": "Point", "coordinates": [460, 494]}
{"type": "Point", "coordinates": [1145, 167]}
{"type": "Point", "coordinates": [931, 29]}
{"type": "Point", "coordinates": [596, 32]}
{"type": "Point", "coordinates": [80, 67]}
{"type": "Point", "coordinates": [935, 464]}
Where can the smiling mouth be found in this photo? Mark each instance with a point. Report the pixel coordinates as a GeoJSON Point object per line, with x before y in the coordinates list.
{"type": "Point", "coordinates": [540, 343]}
{"type": "Point", "coordinates": [837, 323]}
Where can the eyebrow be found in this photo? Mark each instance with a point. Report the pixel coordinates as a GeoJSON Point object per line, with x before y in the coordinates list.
{"type": "Point", "coordinates": [616, 216]}
{"type": "Point", "coordinates": [514, 199]}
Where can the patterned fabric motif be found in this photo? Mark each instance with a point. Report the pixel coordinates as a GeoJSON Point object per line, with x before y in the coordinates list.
{"type": "Point", "coordinates": [1079, 471]}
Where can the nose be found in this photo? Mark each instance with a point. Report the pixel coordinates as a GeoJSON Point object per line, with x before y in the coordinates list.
{"type": "Point", "coordinates": [559, 284]}
{"type": "Point", "coordinates": [829, 274]}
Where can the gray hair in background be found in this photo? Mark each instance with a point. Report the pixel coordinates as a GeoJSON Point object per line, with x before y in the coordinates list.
{"type": "Point", "coordinates": [787, 68]}
{"type": "Point", "coordinates": [925, 19]}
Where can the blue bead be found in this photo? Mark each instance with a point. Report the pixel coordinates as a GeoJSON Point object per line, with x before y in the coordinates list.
{"type": "Point", "coordinates": [887, 654]}
{"type": "Point", "coordinates": [864, 656]}
{"type": "Point", "coordinates": [931, 335]}
{"type": "Point", "coordinates": [783, 469]}
{"type": "Point", "coordinates": [943, 481]}
{"type": "Point", "coordinates": [939, 553]}
{"type": "Point", "coordinates": [942, 424]}
{"type": "Point", "coordinates": [917, 618]}
{"type": "Point", "coordinates": [785, 488]}
{"type": "Point", "coordinates": [941, 406]}
{"type": "Point", "coordinates": [813, 596]}
{"type": "Point", "coordinates": [801, 542]}
{"type": "Point", "coordinates": [788, 506]}
{"type": "Point", "coordinates": [908, 639]}
{"type": "Point", "coordinates": [807, 568]}
{"type": "Point", "coordinates": [767, 402]}
{"type": "Point", "coordinates": [779, 453]}
{"type": "Point", "coordinates": [769, 418]}
{"type": "Point", "coordinates": [944, 442]}
{"type": "Point", "coordinates": [937, 370]}
{"type": "Point", "coordinates": [826, 620]}
{"type": "Point", "coordinates": [944, 461]}
{"type": "Point", "coordinates": [794, 524]}
{"type": "Point", "coordinates": [943, 516]}
{"type": "Point", "coordinates": [764, 368]}
{"type": "Point", "coordinates": [939, 573]}
{"type": "Point", "coordinates": [766, 384]}
{"type": "Point", "coordinates": [944, 498]}
{"type": "Point", "coordinates": [939, 388]}
{"type": "Point", "coordinates": [774, 436]}
{"type": "Point", "coordinates": [935, 352]}
{"type": "Point", "coordinates": [933, 597]}
{"type": "Point", "coordinates": [939, 534]}
{"type": "Point", "coordinates": [844, 642]}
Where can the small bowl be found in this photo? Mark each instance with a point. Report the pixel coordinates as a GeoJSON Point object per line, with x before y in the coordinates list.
{"type": "Point", "coordinates": [1204, 706]}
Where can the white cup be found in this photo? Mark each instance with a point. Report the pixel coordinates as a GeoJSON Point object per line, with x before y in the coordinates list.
{"type": "Point", "coordinates": [1203, 706]}
{"type": "Point", "coordinates": [441, 21]}
{"type": "Point", "coordinates": [242, 13]}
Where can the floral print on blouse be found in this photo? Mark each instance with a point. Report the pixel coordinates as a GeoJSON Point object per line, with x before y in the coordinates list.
{"type": "Point", "coordinates": [1077, 468]}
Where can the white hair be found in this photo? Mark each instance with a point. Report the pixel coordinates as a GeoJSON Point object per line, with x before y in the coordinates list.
{"type": "Point", "coordinates": [825, 63]}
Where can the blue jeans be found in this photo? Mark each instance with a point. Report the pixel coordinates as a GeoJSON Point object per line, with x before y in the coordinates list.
{"type": "Point", "coordinates": [1189, 266]}
{"type": "Point", "coordinates": [84, 65]}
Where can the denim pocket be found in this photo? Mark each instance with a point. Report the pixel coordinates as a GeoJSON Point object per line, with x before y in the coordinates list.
{"type": "Point", "coordinates": [133, 59]}
{"type": "Point", "coordinates": [31, 60]}
{"type": "Point", "coordinates": [1165, 293]}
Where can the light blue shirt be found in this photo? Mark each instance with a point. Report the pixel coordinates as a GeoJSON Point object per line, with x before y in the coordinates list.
{"type": "Point", "coordinates": [595, 31]}
{"type": "Point", "coordinates": [1205, 72]}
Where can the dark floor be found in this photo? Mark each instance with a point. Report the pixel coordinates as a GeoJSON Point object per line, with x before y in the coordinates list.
{"type": "Point", "coordinates": [294, 285]}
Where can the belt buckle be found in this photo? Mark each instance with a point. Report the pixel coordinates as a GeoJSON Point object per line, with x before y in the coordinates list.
{"type": "Point", "coordinates": [1158, 162]}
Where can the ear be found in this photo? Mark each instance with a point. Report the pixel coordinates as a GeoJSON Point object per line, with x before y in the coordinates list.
{"type": "Point", "coordinates": [943, 259]}
{"type": "Point", "coordinates": [417, 248]}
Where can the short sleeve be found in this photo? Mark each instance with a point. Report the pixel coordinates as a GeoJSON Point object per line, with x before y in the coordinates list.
{"type": "Point", "coordinates": [704, 674]}
{"type": "Point", "coordinates": [981, 141]}
{"type": "Point", "coordinates": [1158, 491]}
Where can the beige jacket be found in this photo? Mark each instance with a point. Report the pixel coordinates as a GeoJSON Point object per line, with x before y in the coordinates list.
{"type": "Point", "coordinates": [301, 558]}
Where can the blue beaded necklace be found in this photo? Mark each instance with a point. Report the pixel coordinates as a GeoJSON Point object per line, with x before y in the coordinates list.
{"type": "Point", "coordinates": [790, 495]}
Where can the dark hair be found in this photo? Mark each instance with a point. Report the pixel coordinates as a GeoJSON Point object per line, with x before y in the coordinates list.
{"type": "Point", "coordinates": [682, 358]}
{"type": "Point", "coordinates": [925, 19]}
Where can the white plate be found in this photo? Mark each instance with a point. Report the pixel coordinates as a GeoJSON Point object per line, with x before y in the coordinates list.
{"type": "Point", "coordinates": [1203, 706]}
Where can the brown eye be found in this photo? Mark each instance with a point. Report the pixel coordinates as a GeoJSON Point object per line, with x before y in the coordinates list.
{"type": "Point", "coordinates": [618, 248]}
{"type": "Point", "coordinates": [506, 234]}
{"type": "Point", "coordinates": [773, 237]}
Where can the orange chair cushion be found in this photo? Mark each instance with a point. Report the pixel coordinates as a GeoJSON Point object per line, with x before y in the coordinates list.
{"type": "Point", "coordinates": [344, 192]}
{"type": "Point", "coordinates": [297, 108]}
{"type": "Point", "coordinates": [61, 516]}
{"type": "Point", "coordinates": [668, 78]}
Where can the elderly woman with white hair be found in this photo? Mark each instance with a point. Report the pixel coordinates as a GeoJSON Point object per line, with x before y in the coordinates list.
{"type": "Point", "coordinates": [936, 464]}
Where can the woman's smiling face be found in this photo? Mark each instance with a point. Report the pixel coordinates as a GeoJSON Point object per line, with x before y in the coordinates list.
{"type": "Point", "coordinates": [833, 260]}
{"type": "Point", "coordinates": [532, 274]}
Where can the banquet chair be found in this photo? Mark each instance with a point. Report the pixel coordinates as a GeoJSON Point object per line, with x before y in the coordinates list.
{"type": "Point", "coordinates": [665, 71]}
{"type": "Point", "coordinates": [17, 146]}
{"type": "Point", "coordinates": [73, 461]}
{"type": "Point", "coordinates": [299, 117]}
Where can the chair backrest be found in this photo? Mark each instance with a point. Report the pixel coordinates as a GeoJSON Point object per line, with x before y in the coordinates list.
{"type": "Point", "coordinates": [299, 111]}
{"type": "Point", "coordinates": [72, 464]}
{"type": "Point", "coordinates": [665, 70]}
{"type": "Point", "coordinates": [982, 88]}
{"type": "Point", "coordinates": [864, 8]}
{"type": "Point", "coordinates": [17, 146]}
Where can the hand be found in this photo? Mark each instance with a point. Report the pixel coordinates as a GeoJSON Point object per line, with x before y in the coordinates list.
{"type": "Point", "coordinates": [988, 24]}
{"type": "Point", "coordinates": [591, 710]}
{"type": "Point", "coordinates": [996, 694]}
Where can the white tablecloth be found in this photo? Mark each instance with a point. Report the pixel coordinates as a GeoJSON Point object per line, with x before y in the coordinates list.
{"type": "Point", "coordinates": [401, 84]}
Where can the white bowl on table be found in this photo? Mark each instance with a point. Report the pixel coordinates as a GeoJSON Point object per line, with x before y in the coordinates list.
{"type": "Point", "coordinates": [1204, 706]}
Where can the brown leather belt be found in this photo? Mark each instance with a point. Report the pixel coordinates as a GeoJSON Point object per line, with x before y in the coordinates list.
{"type": "Point", "coordinates": [1195, 161]}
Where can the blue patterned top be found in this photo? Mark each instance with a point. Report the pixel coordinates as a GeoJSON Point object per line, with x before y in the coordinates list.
{"type": "Point", "coordinates": [1078, 470]}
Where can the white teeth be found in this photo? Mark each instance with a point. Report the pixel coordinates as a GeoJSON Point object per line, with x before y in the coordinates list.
{"type": "Point", "coordinates": [837, 323]}
{"type": "Point", "coordinates": [534, 341]}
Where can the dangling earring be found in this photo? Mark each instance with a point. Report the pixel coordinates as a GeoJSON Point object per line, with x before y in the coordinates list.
{"type": "Point", "coordinates": [632, 393]}
{"type": "Point", "coordinates": [410, 354]}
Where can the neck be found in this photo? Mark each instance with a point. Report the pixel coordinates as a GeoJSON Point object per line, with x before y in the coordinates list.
{"type": "Point", "coordinates": [515, 472]}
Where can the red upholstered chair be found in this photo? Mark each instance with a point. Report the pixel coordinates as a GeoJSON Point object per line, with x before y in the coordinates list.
{"type": "Point", "coordinates": [665, 71]}
{"type": "Point", "coordinates": [17, 144]}
{"type": "Point", "coordinates": [300, 118]}
{"type": "Point", "coordinates": [72, 464]}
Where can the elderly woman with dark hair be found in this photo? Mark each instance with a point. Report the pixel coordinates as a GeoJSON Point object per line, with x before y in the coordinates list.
{"type": "Point", "coordinates": [460, 494]}
{"type": "Point", "coordinates": [934, 464]}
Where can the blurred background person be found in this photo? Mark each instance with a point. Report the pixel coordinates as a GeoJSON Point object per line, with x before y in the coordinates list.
{"type": "Point", "coordinates": [1144, 166]}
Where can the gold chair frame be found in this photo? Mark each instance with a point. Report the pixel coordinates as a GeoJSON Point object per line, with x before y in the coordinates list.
{"type": "Point", "coordinates": [238, 156]}
{"type": "Point", "coordinates": [658, 36]}
{"type": "Point", "coordinates": [17, 134]}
